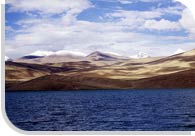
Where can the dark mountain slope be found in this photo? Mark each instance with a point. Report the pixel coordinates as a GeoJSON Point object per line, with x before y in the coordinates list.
{"type": "Point", "coordinates": [184, 79]}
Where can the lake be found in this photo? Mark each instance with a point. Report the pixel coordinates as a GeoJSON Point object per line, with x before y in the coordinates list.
{"type": "Point", "coordinates": [102, 110]}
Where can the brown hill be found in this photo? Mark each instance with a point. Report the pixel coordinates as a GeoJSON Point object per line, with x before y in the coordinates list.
{"type": "Point", "coordinates": [22, 72]}
{"type": "Point", "coordinates": [184, 79]}
{"type": "Point", "coordinates": [58, 82]}
{"type": "Point", "coordinates": [139, 68]}
{"type": "Point", "coordinates": [26, 71]}
{"type": "Point", "coordinates": [175, 71]}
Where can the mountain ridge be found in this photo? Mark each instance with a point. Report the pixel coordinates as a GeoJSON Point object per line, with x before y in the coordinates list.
{"type": "Point", "coordinates": [173, 71]}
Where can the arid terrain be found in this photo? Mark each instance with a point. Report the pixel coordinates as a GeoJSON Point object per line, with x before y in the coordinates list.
{"type": "Point", "coordinates": [100, 71]}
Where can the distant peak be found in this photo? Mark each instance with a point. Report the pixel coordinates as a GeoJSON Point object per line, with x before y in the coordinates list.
{"type": "Point", "coordinates": [7, 58]}
{"type": "Point", "coordinates": [96, 52]}
{"type": "Point", "coordinates": [178, 51]}
{"type": "Point", "coordinates": [101, 56]}
{"type": "Point", "coordinates": [113, 53]}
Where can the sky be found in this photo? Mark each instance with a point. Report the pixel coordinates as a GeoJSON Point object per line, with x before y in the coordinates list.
{"type": "Point", "coordinates": [126, 27]}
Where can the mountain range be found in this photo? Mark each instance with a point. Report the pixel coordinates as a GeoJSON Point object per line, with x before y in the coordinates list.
{"type": "Point", "coordinates": [68, 56]}
{"type": "Point", "coordinates": [42, 57]}
{"type": "Point", "coordinates": [98, 70]}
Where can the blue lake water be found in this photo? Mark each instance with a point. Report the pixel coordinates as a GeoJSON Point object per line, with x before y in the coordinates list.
{"type": "Point", "coordinates": [128, 110]}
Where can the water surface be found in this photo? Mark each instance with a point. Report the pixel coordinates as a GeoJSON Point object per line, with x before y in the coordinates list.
{"type": "Point", "coordinates": [115, 110]}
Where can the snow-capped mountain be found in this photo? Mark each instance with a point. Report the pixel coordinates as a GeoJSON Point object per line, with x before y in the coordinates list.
{"type": "Point", "coordinates": [113, 53]}
{"type": "Point", "coordinates": [37, 54]}
{"type": "Point", "coordinates": [7, 58]}
{"type": "Point", "coordinates": [41, 53]}
{"type": "Point", "coordinates": [60, 52]}
{"type": "Point", "coordinates": [140, 55]}
{"type": "Point", "coordinates": [178, 51]}
{"type": "Point", "coordinates": [101, 56]}
{"type": "Point", "coordinates": [51, 56]}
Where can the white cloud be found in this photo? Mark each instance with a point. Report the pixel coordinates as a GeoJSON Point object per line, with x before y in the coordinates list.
{"type": "Point", "coordinates": [174, 10]}
{"type": "Point", "coordinates": [65, 52]}
{"type": "Point", "coordinates": [48, 6]}
{"type": "Point", "coordinates": [139, 55]}
{"type": "Point", "coordinates": [86, 37]}
{"type": "Point", "coordinates": [136, 14]}
{"type": "Point", "coordinates": [162, 25]}
{"type": "Point", "coordinates": [125, 1]}
{"type": "Point", "coordinates": [68, 33]}
{"type": "Point", "coordinates": [147, 19]}
{"type": "Point", "coordinates": [150, 0]}
{"type": "Point", "coordinates": [121, 1]}
{"type": "Point", "coordinates": [133, 19]}
{"type": "Point", "coordinates": [188, 23]}
{"type": "Point", "coordinates": [130, 1]}
{"type": "Point", "coordinates": [9, 29]}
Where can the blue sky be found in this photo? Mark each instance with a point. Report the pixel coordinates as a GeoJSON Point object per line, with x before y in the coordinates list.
{"type": "Point", "coordinates": [156, 27]}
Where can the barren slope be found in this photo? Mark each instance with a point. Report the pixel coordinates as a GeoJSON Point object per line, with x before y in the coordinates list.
{"type": "Point", "coordinates": [176, 71]}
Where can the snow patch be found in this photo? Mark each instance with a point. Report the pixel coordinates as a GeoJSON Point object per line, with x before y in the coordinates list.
{"type": "Point", "coordinates": [41, 53]}
{"type": "Point", "coordinates": [113, 53]}
{"type": "Point", "coordinates": [61, 53]}
{"type": "Point", "coordinates": [178, 51]}
{"type": "Point", "coordinates": [7, 58]}
{"type": "Point", "coordinates": [140, 55]}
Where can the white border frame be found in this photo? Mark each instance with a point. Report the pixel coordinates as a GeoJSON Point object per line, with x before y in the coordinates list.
{"type": "Point", "coordinates": [185, 2]}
